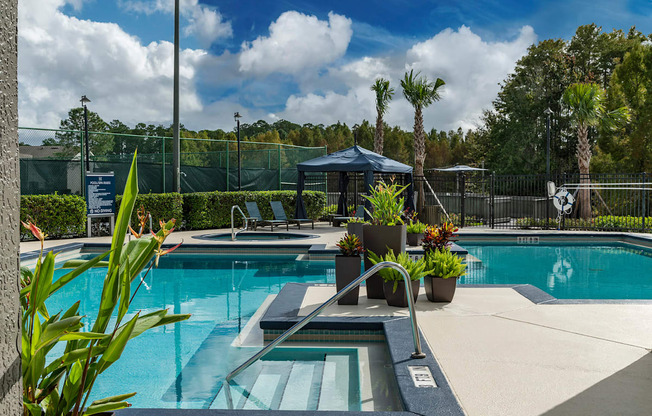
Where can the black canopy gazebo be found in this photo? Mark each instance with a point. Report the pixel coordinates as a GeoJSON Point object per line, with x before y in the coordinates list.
{"type": "Point", "coordinates": [353, 159]}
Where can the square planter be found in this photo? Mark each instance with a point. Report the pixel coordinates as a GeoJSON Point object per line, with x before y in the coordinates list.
{"type": "Point", "coordinates": [378, 238]}
{"type": "Point", "coordinates": [413, 239]}
{"type": "Point", "coordinates": [438, 289]}
{"type": "Point", "coordinates": [357, 229]}
{"type": "Point", "coordinates": [399, 298]}
{"type": "Point", "coordinates": [347, 269]}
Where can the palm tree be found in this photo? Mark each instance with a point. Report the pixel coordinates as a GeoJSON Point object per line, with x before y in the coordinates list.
{"type": "Point", "coordinates": [383, 96]}
{"type": "Point", "coordinates": [420, 93]}
{"type": "Point", "coordinates": [585, 103]}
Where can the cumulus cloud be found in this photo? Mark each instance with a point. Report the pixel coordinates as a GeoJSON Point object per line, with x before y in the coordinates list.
{"type": "Point", "coordinates": [472, 69]}
{"type": "Point", "coordinates": [206, 24]}
{"type": "Point", "coordinates": [297, 42]}
{"type": "Point", "coordinates": [62, 58]}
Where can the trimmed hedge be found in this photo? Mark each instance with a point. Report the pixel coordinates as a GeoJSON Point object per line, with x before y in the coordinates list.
{"type": "Point", "coordinates": [56, 215]}
{"type": "Point", "coordinates": [213, 209]}
{"type": "Point", "coordinates": [160, 206]}
{"type": "Point", "coordinates": [602, 222]}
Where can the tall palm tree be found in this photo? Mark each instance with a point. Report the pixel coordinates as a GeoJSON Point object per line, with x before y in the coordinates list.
{"type": "Point", "coordinates": [420, 93]}
{"type": "Point", "coordinates": [383, 96]}
{"type": "Point", "coordinates": [585, 104]}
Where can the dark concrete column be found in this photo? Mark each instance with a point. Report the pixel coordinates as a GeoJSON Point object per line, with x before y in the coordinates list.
{"type": "Point", "coordinates": [10, 383]}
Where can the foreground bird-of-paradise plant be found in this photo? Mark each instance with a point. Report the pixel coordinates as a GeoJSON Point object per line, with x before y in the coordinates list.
{"type": "Point", "coordinates": [63, 386]}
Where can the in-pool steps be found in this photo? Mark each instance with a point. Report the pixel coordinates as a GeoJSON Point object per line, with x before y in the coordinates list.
{"type": "Point", "coordinates": [322, 383]}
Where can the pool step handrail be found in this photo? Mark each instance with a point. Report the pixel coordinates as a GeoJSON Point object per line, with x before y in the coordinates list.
{"type": "Point", "coordinates": [296, 327]}
{"type": "Point", "coordinates": [436, 198]}
{"type": "Point", "coordinates": [244, 217]}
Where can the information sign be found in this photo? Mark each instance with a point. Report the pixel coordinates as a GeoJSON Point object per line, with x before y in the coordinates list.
{"type": "Point", "coordinates": [100, 194]}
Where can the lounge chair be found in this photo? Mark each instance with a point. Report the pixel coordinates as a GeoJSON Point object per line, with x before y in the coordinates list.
{"type": "Point", "coordinates": [279, 214]}
{"type": "Point", "coordinates": [254, 212]}
{"type": "Point", "coordinates": [359, 213]}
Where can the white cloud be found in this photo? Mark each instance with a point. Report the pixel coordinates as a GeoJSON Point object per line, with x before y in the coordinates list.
{"type": "Point", "coordinates": [297, 42]}
{"type": "Point", "coordinates": [205, 23]}
{"type": "Point", "coordinates": [62, 58]}
{"type": "Point", "coordinates": [471, 68]}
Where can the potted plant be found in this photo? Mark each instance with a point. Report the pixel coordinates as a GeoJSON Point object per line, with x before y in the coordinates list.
{"type": "Point", "coordinates": [414, 231]}
{"type": "Point", "coordinates": [355, 226]}
{"type": "Point", "coordinates": [445, 266]}
{"type": "Point", "coordinates": [385, 231]}
{"type": "Point", "coordinates": [394, 283]}
{"type": "Point", "coordinates": [347, 267]}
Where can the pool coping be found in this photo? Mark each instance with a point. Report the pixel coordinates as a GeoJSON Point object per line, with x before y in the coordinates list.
{"type": "Point", "coordinates": [301, 237]}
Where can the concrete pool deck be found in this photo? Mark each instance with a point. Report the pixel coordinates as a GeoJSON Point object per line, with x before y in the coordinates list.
{"type": "Point", "coordinates": [502, 353]}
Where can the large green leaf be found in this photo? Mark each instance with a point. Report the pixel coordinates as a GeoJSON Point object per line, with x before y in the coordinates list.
{"type": "Point", "coordinates": [41, 285]}
{"type": "Point", "coordinates": [72, 356]}
{"type": "Point", "coordinates": [106, 407]}
{"type": "Point", "coordinates": [125, 291]}
{"type": "Point", "coordinates": [57, 329]}
{"type": "Point", "coordinates": [113, 399]}
{"type": "Point", "coordinates": [122, 220]}
{"type": "Point", "coordinates": [139, 252]}
{"type": "Point", "coordinates": [108, 301]}
{"type": "Point", "coordinates": [116, 346]}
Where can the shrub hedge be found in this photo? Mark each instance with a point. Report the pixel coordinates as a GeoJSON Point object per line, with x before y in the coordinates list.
{"type": "Point", "coordinates": [56, 215]}
{"type": "Point", "coordinates": [213, 209]}
{"type": "Point", "coordinates": [602, 222]}
{"type": "Point", "coordinates": [160, 206]}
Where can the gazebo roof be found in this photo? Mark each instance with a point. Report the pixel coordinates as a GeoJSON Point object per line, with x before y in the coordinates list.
{"type": "Point", "coordinates": [354, 159]}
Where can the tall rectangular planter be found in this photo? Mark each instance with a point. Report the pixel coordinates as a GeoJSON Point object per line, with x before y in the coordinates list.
{"type": "Point", "coordinates": [356, 228]}
{"type": "Point", "coordinates": [347, 269]}
{"type": "Point", "coordinates": [379, 239]}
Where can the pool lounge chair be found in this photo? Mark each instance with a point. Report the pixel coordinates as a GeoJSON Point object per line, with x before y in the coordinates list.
{"type": "Point", "coordinates": [254, 212]}
{"type": "Point", "coordinates": [359, 213]}
{"type": "Point", "coordinates": [279, 214]}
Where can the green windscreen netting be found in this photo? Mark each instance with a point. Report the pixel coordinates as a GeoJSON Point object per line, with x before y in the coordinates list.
{"type": "Point", "coordinates": [52, 161]}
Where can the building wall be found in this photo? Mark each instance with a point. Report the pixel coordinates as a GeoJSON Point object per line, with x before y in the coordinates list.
{"type": "Point", "coordinates": [10, 383]}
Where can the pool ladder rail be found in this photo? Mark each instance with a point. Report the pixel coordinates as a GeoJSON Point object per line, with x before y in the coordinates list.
{"type": "Point", "coordinates": [296, 327]}
{"type": "Point", "coordinates": [234, 233]}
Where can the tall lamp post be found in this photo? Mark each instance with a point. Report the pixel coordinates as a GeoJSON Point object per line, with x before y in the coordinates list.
{"type": "Point", "coordinates": [236, 117]}
{"type": "Point", "coordinates": [548, 112]}
{"type": "Point", "coordinates": [84, 100]}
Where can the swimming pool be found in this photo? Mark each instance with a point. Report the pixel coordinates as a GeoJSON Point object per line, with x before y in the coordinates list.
{"type": "Point", "coordinates": [577, 271]}
{"type": "Point", "coordinates": [183, 365]}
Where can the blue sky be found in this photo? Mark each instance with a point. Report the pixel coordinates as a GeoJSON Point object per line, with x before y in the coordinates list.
{"type": "Point", "coordinates": [305, 61]}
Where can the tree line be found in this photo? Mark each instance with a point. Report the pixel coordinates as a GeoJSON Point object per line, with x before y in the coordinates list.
{"type": "Point", "coordinates": [511, 137]}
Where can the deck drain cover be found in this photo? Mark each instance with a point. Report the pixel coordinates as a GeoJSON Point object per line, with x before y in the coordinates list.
{"type": "Point", "coordinates": [421, 376]}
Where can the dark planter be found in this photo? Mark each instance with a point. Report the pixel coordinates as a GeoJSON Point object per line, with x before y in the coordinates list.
{"type": "Point", "coordinates": [399, 298]}
{"type": "Point", "coordinates": [440, 290]}
{"type": "Point", "coordinates": [378, 238]}
{"type": "Point", "coordinates": [413, 239]}
{"type": "Point", "coordinates": [347, 268]}
{"type": "Point", "coordinates": [356, 228]}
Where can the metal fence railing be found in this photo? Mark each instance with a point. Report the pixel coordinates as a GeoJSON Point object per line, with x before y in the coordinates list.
{"type": "Point", "coordinates": [52, 161]}
{"type": "Point", "coordinates": [619, 202]}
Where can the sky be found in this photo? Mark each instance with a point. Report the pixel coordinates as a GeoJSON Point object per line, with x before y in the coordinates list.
{"type": "Point", "coordinates": [303, 61]}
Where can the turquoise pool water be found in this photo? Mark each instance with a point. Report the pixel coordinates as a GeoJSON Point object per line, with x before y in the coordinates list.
{"type": "Point", "coordinates": [182, 365]}
{"type": "Point", "coordinates": [615, 271]}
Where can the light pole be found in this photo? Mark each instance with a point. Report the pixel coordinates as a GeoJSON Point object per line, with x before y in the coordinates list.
{"type": "Point", "coordinates": [548, 112]}
{"type": "Point", "coordinates": [176, 141]}
{"type": "Point", "coordinates": [84, 100]}
{"type": "Point", "coordinates": [236, 117]}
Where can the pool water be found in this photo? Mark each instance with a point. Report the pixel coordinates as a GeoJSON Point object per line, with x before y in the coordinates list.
{"type": "Point", "coordinates": [183, 365]}
{"type": "Point", "coordinates": [616, 271]}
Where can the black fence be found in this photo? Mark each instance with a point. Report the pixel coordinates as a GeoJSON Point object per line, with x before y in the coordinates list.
{"type": "Point", "coordinates": [619, 202]}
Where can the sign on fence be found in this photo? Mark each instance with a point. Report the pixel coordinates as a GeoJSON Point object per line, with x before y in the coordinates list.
{"type": "Point", "coordinates": [100, 194]}
{"type": "Point", "coordinates": [100, 197]}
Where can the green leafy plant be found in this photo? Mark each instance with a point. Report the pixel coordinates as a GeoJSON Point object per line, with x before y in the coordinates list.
{"type": "Point", "coordinates": [57, 215]}
{"type": "Point", "coordinates": [444, 264]}
{"type": "Point", "coordinates": [387, 203]}
{"type": "Point", "coordinates": [63, 386]}
{"type": "Point", "coordinates": [350, 245]}
{"type": "Point", "coordinates": [438, 238]}
{"type": "Point", "coordinates": [415, 268]}
{"type": "Point", "coordinates": [356, 220]}
{"type": "Point", "coordinates": [416, 227]}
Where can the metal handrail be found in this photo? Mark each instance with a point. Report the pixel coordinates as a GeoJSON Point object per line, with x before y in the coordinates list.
{"type": "Point", "coordinates": [435, 195]}
{"type": "Point", "coordinates": [246, 222]}
{"type": "Point", "coordinates": [296, 327]}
